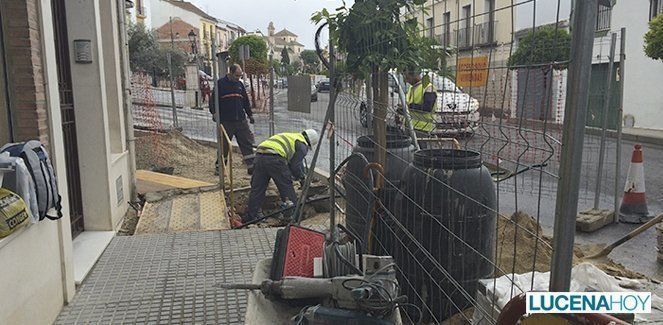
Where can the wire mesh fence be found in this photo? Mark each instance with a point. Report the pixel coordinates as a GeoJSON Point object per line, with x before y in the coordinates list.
{"type": "Point", "coordinates": [465, 209]}
{"type": "Point", "coordinates": [465, 200]}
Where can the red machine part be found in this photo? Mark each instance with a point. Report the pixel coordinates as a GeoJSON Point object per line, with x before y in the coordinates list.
{"type": "Point", "coordinates": [302, 246]}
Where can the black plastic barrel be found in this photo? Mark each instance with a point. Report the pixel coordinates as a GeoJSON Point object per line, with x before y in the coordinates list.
{"type": "Point", "coordinates": [359, 197]}
{"type": "Point", "coordinates": [448, 207]}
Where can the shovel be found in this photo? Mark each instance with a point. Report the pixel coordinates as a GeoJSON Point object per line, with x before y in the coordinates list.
{"type": "Point", "coordinates": [604, 252]}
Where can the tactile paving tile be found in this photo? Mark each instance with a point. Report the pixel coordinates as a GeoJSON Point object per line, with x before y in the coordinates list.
{"type": "Point", "coordinates": [170, 278]}
{"type": "Point", "coordinates": [185, 214]}
{"type": "Point", "coordinates": [213, 211]}
{"type": "Point", "coordinates": [154, 218]}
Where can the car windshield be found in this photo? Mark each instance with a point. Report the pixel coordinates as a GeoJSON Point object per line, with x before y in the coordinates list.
{"type": "Point", "coordinates": [445, 84]}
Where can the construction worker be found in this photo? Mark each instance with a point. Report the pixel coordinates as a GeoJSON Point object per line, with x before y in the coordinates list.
{"type": "Point", "coordinates": [234, 108]}
{"type": "Point", "coordinates": [421, 101]}
{"type": "Point", "coordinates": [279, 158]}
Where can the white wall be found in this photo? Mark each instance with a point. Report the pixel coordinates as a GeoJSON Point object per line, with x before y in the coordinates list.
{"type": "Point", "coordinates": [161, 11]}
{"type": "Point", "coordinates": [98, 100]}
{"type": "Point", "coordinates": [36, 261]}
{"type": "Point", "coordinates": [643, 78]}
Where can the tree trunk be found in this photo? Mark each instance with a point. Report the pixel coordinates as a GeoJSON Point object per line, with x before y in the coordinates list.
{"type": "Point", "coordinates": [381, 97]}
{"type": "Point", "coordinates": [253, 94]}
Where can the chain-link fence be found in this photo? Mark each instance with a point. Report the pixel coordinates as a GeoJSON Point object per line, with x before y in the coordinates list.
{"type": "Point", "coordinates": [464, 199]}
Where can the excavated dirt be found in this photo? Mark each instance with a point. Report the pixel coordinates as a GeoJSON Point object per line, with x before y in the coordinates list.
{"type": "Point", "coordinates": [517, 237]}
{"type": "Point", "coordinates": [188, 158]}
{"type": "Point", "coordinates": [523, 239]}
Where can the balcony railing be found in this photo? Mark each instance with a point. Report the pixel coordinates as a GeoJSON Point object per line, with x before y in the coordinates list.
{"type": "Point", "coordinates": [478, 35]}
{"type": "Point", "coordinates": [603, 18]}
{"type": "Point", "coordinates": [445, 39]}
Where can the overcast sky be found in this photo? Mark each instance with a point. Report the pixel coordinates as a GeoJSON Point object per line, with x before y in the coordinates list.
{"type": "Point", "coordinates": [295, 15]}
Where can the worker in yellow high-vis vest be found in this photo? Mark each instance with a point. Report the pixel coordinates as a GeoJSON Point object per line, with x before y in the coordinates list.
{"type": "Point", "coordinates": [421, 99]}
{"type": "Point", "coordinates": [279, 158]}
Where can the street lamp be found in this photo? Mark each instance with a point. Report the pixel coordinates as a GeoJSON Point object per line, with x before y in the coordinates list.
{"type": "Point", "coordinates": [192, 37]}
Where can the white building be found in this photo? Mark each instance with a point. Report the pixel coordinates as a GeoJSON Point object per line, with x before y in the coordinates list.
{"type": "Point", "coordinates": [71, 98]}
{"type": "Point", "coordinates": [643, 77]}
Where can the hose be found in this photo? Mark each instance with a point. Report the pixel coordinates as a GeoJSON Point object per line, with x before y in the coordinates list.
{"type": "Point", "coordinates": [252, 222]}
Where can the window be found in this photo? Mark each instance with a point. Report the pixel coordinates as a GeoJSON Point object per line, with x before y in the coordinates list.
{"type": "Point", "coordinates": [430, 27]}
{"type": "Point", "coordinates": [466, 31]}
{"type": "Point", "coordinates": [655, 8]}
{"type": "Point", "coordinates": [140, 10]}
{"type": "Point", "coordinates": [446, 31]}
{"type": "Point", "coordinates": [603, 18]}
{"type": "Point", "coordinates": [487, 32]}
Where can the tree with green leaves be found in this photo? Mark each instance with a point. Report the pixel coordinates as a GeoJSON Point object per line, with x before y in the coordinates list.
{"type": "Point", "coordinates": [654, 39]}
{"type": "Point", "coordinates": [542, 50]}
{"type": "Point", "coordinates": [285, 56]}
{"type": "Point", "coordinates": [376, 36]}
{"type": "Point", "coordinates": [310, 60]}
{"type": "Point", "coordinates": [547, 46]}
{"type": "Point", "coordinates": [145, 53]}
{"type": "Point", "coordinates": [257, 63]}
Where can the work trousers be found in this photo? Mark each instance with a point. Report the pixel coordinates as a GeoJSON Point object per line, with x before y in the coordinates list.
{"type": "Point", "coordinates": [245, 140]}
{"type": "Point", "coordinates": [268, 167]}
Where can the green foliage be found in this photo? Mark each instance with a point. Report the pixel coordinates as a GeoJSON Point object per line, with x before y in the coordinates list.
{"type": "Point", "coordinates": [310, 61]}
{"type": "Point", "coordinates": [545, 45]}
{"type": "Point", "coordinates": [142, 44]}
{"type": "Point", "coordinates": [654, 39]}
{"type": "Point", "coordinates": [376, 34]}
{"type": "Point", "coordinates": [257, 46]}
{"type": "Point", "coordinates": [285, 56]}
{"type": "Point", "coordinates": [146, 55]}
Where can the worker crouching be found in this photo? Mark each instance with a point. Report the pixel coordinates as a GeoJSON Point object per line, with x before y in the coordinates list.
{"type": "Point", "coordinates": [279, 158]}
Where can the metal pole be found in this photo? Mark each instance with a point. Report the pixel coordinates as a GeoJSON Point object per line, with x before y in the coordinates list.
{"type": "Point", "coordinates": [406, 110]}
{"type": "Point", "coordinates": [369, 100]}
{"type": "Point", "coordinates": [217, 118]}
{"type": "Point", "coordinates": [606, 108]}
{"type": "Point", "coordinates": [172, 91]}
{"type": "Point", "coordinates": [128, 107]}
{"type": "Point", "coordinates": [271, 94]}
{"type": "Point", "coordinates": [566, 210]}
{"type": "Point", "coordinates": [332, 142]}
{"type": "Point", "coordinates": [618, 155]}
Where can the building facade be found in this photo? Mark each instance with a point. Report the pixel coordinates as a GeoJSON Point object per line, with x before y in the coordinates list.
{"type": "Point", "coordinates": [139, 12]}
{"type": "Point", "coordinates": [163, 11]}
{"type": "Point", "coordinates": [643, 77]}
{"type": "Point", "coordinates": [277, 41]}
{"type": "Point", "coordinates": [62, 81]}
{"type": "Point", "coordinates": [473, 33]}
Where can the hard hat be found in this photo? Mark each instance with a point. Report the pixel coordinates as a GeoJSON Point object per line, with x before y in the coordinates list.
{"type": "Point", "coordinates": [312, 136]}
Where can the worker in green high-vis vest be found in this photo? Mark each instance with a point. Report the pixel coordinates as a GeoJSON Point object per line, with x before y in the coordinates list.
{"type": "Point", "coordinates": [421, 99]}
{"type": "Point", "coordinates": [279, 158]}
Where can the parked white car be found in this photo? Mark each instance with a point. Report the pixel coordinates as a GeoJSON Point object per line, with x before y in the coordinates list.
{"type": "Point", "coordinates": [458, 112]}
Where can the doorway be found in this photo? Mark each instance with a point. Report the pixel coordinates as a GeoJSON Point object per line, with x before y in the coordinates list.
{"type": "Point", "coordinates": [68, 117]}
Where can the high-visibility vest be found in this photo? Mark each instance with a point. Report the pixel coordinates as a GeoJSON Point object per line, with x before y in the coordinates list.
{"type": "Point", "coordinates": [421, 120]}
{"type": "Point", "coordinates": [282, 144]}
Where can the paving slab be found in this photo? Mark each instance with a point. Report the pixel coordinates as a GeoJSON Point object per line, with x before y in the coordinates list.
{"type": "Point", "coordinates": [594, 219]}
{"type": "Point", "coordinates": [201, 211]}
{"type": "Point", "coordinates": [170, 278]}
{"type": "Point", "coordinates": [148, 181]}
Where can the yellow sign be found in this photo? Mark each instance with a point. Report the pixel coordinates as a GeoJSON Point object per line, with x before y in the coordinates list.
{"type": "Point", "coordinates": [472, 72]}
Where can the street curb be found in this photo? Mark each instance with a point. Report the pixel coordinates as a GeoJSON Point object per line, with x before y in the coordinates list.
{"type": "Point", "coordinates": [627, 136]}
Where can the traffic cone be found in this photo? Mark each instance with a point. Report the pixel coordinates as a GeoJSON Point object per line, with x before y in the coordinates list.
{"type": "Point", "coordinates": [634, 202]}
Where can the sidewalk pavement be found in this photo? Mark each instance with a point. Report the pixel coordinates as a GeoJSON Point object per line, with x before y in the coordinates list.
{"type": "Point", "coordinates": [170, 278]}
{"type": "Point", "coordinates": [639, 135]}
